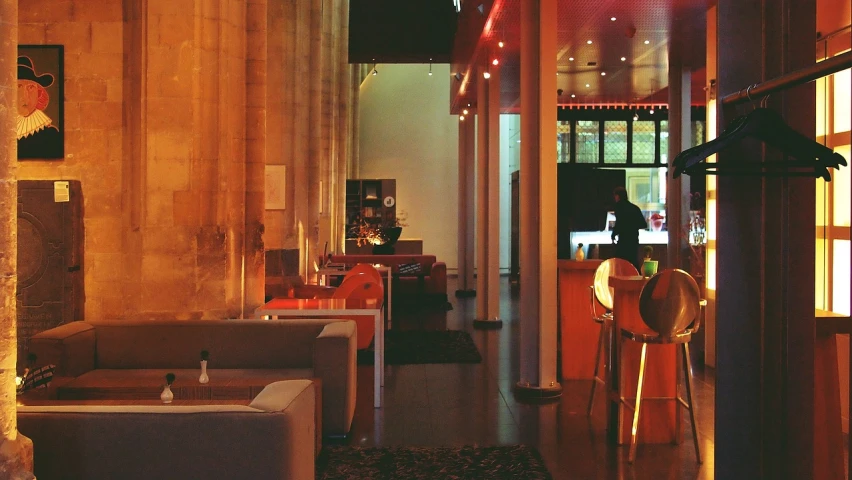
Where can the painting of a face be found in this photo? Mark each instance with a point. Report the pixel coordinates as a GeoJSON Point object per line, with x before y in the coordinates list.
{"type": "Point", "coordinates": [27, 97]}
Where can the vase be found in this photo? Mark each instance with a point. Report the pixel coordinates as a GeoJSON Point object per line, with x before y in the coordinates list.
{"type": "Point", "coordinates": [649, 268]}
{"type": "Point", "coordinates": [167, 396]}
{"type": "Point", "coordinates": [203, 378]}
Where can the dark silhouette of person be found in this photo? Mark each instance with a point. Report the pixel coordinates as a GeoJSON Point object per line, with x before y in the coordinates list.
{"type": "Point", "coordinates": [628, 221]}
{"type": "Point", "coordinates": [37, 136]}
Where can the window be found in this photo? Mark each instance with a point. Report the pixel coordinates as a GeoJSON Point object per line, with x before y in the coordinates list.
{"type": "Point", "coordinates": [615, 142]}
{"type": "Point", "coordinates": [588, 141]}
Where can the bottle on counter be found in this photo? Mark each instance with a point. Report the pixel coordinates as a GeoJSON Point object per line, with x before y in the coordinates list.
{"type": "Point", "coordinates": [580, 255]}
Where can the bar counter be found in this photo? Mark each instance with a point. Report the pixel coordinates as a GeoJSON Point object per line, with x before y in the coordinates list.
{"type": "Point", "coordinates": [579, 333]}
{"type": "Point", "coordinates": [659, 419]}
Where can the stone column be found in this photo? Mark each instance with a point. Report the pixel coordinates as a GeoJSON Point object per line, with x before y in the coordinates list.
{"type": "Point", "coordinates": [488, 201]}
{"type": "Point", "coordinates": [765, 239]}
{"type": "Point", "coordinates": [16, 450]}
{"type": "Point", "coordinates": [316, 143]}
{"type": "Point", "coordinates": [680, 135]}
{"type": "Point", "coordinates": [256, 135]}
{"type": "Point", "coordinates": [538, 200]}
{"type": "Point", "coordinates": [467, 205]}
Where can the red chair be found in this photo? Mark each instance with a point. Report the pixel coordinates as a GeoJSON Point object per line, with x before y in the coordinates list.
{"type": "Point", "coordinates": [361, 287]}
{"type": "Point", "coordinates": [320, 291]}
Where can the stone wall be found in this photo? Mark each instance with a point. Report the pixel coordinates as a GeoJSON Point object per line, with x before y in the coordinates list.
{"type": "Point", "coordinates": [172, 110]}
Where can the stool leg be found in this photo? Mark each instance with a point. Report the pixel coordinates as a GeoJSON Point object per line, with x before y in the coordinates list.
{"type": "Point", "coordinates": [635, 428]}
{"type": "Point", "coordinates": [689, 392]}
{"type": "Point", "coordinates": [597, 370]}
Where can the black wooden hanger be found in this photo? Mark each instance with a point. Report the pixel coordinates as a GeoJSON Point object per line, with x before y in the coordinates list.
{"type": "Point", "coordinates": [811, 158]}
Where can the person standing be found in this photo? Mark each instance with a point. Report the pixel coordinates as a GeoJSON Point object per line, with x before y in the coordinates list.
{"type": "Point", "coordinates": [628, 221]}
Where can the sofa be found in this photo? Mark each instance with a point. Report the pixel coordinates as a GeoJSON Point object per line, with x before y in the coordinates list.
{"type": "Point", "coordinates": [268, 350]}
{"type": "Point", "coordinates": [272, 437]}
{"type": "Point", "coordinates": [417, 278]}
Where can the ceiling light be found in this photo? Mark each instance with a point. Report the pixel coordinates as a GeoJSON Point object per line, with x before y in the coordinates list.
{"type": "Point", "coordinates": [557, 74]}
{"type": "Point", "coordinates": [651, 111]}
{"type": "Point", "coordinates": [647, 42]}
{"type": "Point", "coordinates": [573, 96]}
{"type": "Point", "coordinates": [487, 75]}
{"type": "Point", "coordinates": [461, 118]}
{"type": "Point", "coordinates": [589, 42]}
{"type": "Point", "coordinates": [468, 104]}
{"type": "Point", "coordinates": [495, 62]}
{"type": "Point", "coordinates": [500, 44]}
{"type": "Point", "coordinates": [635, 117]}
{"type": "Point", "coordinates": [464, 111]}
{"type": "Point", "coordinates": [570, 59]}
{"type": "Point", "coordinates": [430, 67]}
{"type": "Point", "coordinates": [612, 18]}
{"type": "Point", "coordinates": [623, 58]}
{"type": "Point", "coordinates": [587, 85]}
{"type": "Point", "coordinates": [603, 74]}
{"type": "Point", "coordinates": [375, 72]}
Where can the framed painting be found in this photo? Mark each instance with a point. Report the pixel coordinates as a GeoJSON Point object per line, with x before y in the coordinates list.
{"type": "Point", "coordinates": [40, 128]}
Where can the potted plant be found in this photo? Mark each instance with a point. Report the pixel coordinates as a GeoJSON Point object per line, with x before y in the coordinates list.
{"type": "Point", "coordinates": [649, 266]}
{"type": "Point", "coordinates": [205, 355]}
{"type": "Point", "coordinates": [167, 396]}
{"type": "Point", "coordinates": [381, 235]}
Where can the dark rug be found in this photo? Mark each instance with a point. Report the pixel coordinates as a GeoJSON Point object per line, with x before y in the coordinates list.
{"type": "Point", "coordinates": [403, 463]}
{"type": "Point", "coordinates": [424, 346]}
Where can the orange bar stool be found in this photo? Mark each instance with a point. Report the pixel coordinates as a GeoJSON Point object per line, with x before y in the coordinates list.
{"type": "Point", "coordinates": [670, 306]}
{"type": "Point", "coordinates": [601, 294]}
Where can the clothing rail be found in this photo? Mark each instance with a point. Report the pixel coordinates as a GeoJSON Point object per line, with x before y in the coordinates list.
{"type": "Point", "coordinates": [792, 79]}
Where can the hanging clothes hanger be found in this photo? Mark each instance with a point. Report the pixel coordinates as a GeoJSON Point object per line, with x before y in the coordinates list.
{"type": "Point", "coordinates": [812, 158]}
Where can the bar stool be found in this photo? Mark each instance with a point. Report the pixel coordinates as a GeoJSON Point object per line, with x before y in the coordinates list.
{"type": "Point", "coordinates": [671, 307]}
{"type": "Point", "coordinates": [601, 293]}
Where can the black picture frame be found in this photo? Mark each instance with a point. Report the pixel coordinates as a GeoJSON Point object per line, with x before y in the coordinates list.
{"type": "Point", "coordinates": [41, 133]}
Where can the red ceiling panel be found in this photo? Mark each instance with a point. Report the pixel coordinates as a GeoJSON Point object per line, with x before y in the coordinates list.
{"type": "Point", "coordinates": [642, 77]}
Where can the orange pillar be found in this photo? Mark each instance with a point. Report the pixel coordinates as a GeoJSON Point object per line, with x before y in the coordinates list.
{"type": "Point", "coordinates": [467, 206]}
{"type": "Point", "coordinates": [538, 199]}
{"type": "Point", "coordinates": [488, 201]}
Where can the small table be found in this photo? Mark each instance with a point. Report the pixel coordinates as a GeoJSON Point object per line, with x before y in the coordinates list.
{"type": "Point", "coordinates": [331, 308]}
{"type": "Point", "coordinates": [385, 271]}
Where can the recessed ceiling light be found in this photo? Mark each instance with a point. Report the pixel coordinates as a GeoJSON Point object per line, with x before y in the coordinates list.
{"type": "Point", "coordinates": [623, 58]}
{"type": "Point", "coordinates": [464, 111]}
{"type": "Point", "coordinates": [651, 111]}
{"type": "Point", "coordinates": [487, 75]}
{"type": "Point", "coordinates": [500, 44]}
{"type": "Point", "coordinates": [495, 62]}
{"type": "Point", "coordinates": [587, 85]}
{"type": "Point", "coordinates": [612, 18]}
{"type": "Point", "coordinates": [557, 74]}
{"type": "Point", "coordinates": [573, 96]}
{"type": "Point", "coordinates": [461, 117]}
{"type": "Point", "coordinates": [570, 59]}
{"type": "Point", "coordinates": [603, 74]}
{"type": "Point", "coordinates": [647, 42]}
{"type": "Point", "coordinates": [589, 42]}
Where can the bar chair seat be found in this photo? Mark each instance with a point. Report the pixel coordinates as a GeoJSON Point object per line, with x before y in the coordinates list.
{"type": "Point", "coordinates": [671, 308]}
{"type": "Point", "coordinates": [600, 294]}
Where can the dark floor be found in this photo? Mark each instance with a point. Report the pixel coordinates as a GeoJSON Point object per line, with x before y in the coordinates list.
{"type": "Point", "coordinates": [455, 404]}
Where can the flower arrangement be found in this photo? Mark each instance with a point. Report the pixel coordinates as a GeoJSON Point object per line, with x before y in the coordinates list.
{"type": "Point", "coordinates": [170, 378]}
{"type": "Point", "coordinates": [365, 232]}
{"type": "Point", "coordinates": [205, 355]}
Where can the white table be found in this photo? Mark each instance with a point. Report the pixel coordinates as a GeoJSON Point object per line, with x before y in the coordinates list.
{"type": "Point", "coordinates": [387, 272]}
{"type": "Point", "coordinates": [280, 308]}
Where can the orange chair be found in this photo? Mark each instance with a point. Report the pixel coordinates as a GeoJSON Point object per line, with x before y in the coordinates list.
{"type": "Point", "coordinates": [361, 287]}
{"type": "Point", "coordinates": [319, 291]}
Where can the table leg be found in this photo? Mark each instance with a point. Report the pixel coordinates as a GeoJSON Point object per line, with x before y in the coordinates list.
{"type": "Point", "coordinates": [390, 298]}
{"type": "Point", "coordinates": [378, 361]}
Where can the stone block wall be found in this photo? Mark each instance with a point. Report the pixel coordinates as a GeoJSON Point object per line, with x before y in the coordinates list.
{"type": "Point", "coordinates": [172, 110]}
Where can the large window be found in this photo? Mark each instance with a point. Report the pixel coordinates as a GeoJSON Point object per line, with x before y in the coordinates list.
{"type": "Point", "coordinates": [833, 216]}
{"type": "Point", "coordinates": [632, 142]}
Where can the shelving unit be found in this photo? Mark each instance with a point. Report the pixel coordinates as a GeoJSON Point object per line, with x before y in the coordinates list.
{"type": "Point", "coordinates": [373, 200]}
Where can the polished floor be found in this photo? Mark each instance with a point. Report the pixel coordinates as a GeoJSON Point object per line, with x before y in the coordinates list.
{"type": "Point", "coordinates": [454, 404]}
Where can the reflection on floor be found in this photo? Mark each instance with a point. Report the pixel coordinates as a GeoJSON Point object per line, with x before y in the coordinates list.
{"type": "Point", "coordinates": [450, 405]}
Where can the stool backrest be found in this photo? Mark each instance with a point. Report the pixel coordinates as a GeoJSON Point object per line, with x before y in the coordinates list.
{"type": "Point", "coordinates": [608, 268]}
{"type": "Point", "coordinates": [360, 287]}
{"type": "Point", "coordinates": [670, 303]}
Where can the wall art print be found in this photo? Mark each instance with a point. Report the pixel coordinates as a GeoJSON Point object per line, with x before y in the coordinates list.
{"type": "Point", "coordinates": [40, 128]}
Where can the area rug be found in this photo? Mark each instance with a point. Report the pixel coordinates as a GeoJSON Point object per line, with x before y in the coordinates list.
{"type": "Point", "coordinates": [415, 463]}
{"type": "Point", "coordinates": [425, 346]}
